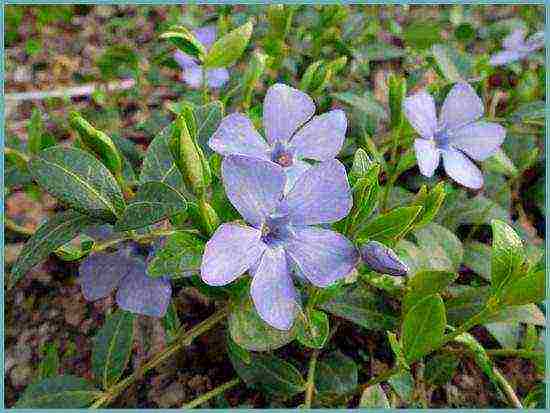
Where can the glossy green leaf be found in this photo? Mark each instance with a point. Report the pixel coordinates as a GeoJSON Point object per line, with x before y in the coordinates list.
{"type": "Point", "coordinates": [441, 368]}
{"type": "Point", "coordinates": [477, 257]}
{"type": "Point", "coordinates": [79, 180]}
{"type": "Point", "coordinates": [423, 327]}
{"type": "Point", "coordinates": [452, 64]}
{"type": "Point", "coordinates": [171, 323]}
{"type": "Point", "coordinates": [227, 49]}
{"type": "Point", "coordinates": [442, 247]}
{"type": "Point", "coordinates": [248, 330]}
{"type": "Point", "coordinates": [38, 138]}
{"type": "Point", "coordinates": [335, 374]}
{"type": "Point", "coordinates": [313, 329]}
{"type": "Point", "coordinates": [183, 39]}
{"type": "Point", "coordinates": [426, 283]}
{"type": "Point", "coordinates": [422, 34]}
{"type": "Point", "coordinates": [59, 392]}
{"type": "Point", "coordinates": [430, 202]}
{"type": "Point", "coordinates": [363, 307]}
{"type": "Point", "coordinates": [54, 233]}
{"type": "Point", "coordinates": [179, 256]}
{"type": "Point", "coordinates": [526, 290]}
{"type": "Point", "coordinates": [373, 397]}
{"type": "Point", "coordinates": [388, 227]}
{"type": "Point", "coordinates": [507, 255]}
{"type": "Point", "coordinates": [113, 347]}
{"type": "Point", "coordinates": [403, 384]}
{"type": "Point", "coordinates": [153, 202]}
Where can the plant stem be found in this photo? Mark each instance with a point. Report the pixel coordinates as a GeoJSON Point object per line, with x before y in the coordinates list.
{"type": "Point", "coordinates": [204, 87]}
{"type": "Point", "coordinates": [212, 393]}
{"type": "Point", "coordinates": [184, 339]}
{"type": "Point", "coordinates": [310, 385]}
{"type": "Point", "coordinates": [507, 389]}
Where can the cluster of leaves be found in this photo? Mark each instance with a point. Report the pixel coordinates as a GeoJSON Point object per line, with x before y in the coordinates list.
{"type": "Point", "coordinates": [175, 191]}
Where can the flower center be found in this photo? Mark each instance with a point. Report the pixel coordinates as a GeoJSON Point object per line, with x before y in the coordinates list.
{"type": "Point", "coordinates": [282, 155]}
{"type": "Point", "coordinates": [442, 139]}
{"type": "Point", "coordinates": [275, 229]}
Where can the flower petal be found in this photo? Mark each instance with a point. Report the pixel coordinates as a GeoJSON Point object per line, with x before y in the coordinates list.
{"type": "Point", "coordinates": [515, 39]}
{"type": "Point", "coordinates": [192, 76]}
{"type": "Point", "coordinates": [144, 295]}
{"type": "Point", "coordinates": [184, 60]}
{"type": "Point", "coordinates": [254, 186]}
{"type": "Point", "coordinates": [322, 137]}
{"type": "Point", "coordinates": [479, 139]}
{"type": "Point", "coordinates": [272, 290]}
{"type": "Point", "coordinates": [462, 105]}
{"type": "Point", "coordinates": [217, 77]}
{"type": "Point", "coordinates": [231, 251]}
{"type": "Point", "coordinates": [206, 35]}
{"type": "Point", "coordinates": [505, 57]}
{"type": "Point", "coordinates": [322, 255]}
{"type": "Point", "coordinates": [285, 110]}
{"type": "Point", "coordinates": [461, 169]}
{"type": "Point", "coordinates": [293, 173]}
{"type": "Point", "coordinates": [427, 156]}
{"type": "Point", "coordinates": [420, 111]}
{"type": "Point", "coordinates": [236, 135]}
{"type": "Point", "coordinates": [100, 273]}
{"type": "Point", "coordinates": [320, 195]}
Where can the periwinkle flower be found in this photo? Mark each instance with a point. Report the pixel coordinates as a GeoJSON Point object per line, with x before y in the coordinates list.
{"type": "Point", "coordinates": [102, 272]}
{"type": "Point", "coordinates": [192, 71]}
{"type": "Point", "coordinates": [383, 259]}
{"type": "Point", "coordinates": [281, 233]}
{"type": "Point", "coordinates": [516, 47]}
{"type": "Point", "coordinates": [290, 138]}
{"type": "Point", "coordinates": [458, 133]}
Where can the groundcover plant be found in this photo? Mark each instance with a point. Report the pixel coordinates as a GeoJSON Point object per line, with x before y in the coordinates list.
{"type": "Point", "coordinates": [273, 228]}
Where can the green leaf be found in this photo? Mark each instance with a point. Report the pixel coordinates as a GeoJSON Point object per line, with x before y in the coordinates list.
{"type": "Point", "coordinates": [227, 49]}
{"type": "Point", "coordinates": [179, 256]}
{"type": "Point", "coordinates": [440, 369]}
{"type": "Point", "coordinates": [453, 65]}
{"type": "Point", "coordinates": [441, 246]}
{"type": "Point", "coordinates": [171, 323]}
{"type": "Point", "coordinates": [56, 232]}
{"type": "Point", "coordinates": [184, 40]}
{"type": "Point", "coordinates": [423, 327]}
{"type": "Point", "coordinates": [76, 249]}
{"type": "Point", "coordinates": [313, 329]}
{"type": "Point", "coordinates": [507, 255]}
{"type": "Point", "coordinates": [266, 372]}
{"type": "Point", "coordinates": [363, 307]}
{"type": "Point", "coordinates": [154, 202]}
{"type": "Point", "coordinates": [421, 34]}
{"type": "Point", "coordinates": [335, 374]}
{"type": "Point", "coordinates": [390, 226]}
{"type": "Point", "coordinates": [60, 392]}
{"type": "Point", "coordinates": [49, 363]}
{"type": "Point", "coordinates": [35, 130]}
{"type": "Point", "coordinates": [374, 397]}
{"type": "Point", "coordinates": [252, 75]}
{"type": "Point", "coordinates": [507, 334]}
{"type": "Point", "coordinates": [365, 103]}
{"type": "Point", "coordinates": [526, 290]}
{"type": "Point", "coordinates": [79, 180]}
{"type": "Point", "coordinates": [113, 347]}
{"type": "Point", "coordinates": [430, 202]}
{"type": "Point", "coordinates": [500, 163]}
{"type": "Point", "coordinates": [159, 165]}
{"type": "Point", "coordinates": [248, 330]}
{"type": "Point", "coordinates": [207, 118]}
{"type": "Point", "coordinates": [477, 257]}
{"type": "Point", "coordinates": [426, 283]}
{"type": "Point", "coordinates": [403, 384]}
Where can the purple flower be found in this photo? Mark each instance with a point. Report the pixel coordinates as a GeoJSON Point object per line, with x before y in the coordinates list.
{"type": "Point", "coordinates": [289, 139]}
{"type": "Point", "coordinates": [101, 273]}
{"type": "Point", "coordinates": [516, 47]}
{"type": "Point", "coordinates": [192, 71]}
{"type": "Point", "coordinates": [458, 133]}
{"type": "Point", "coordinates": [382, 259]}
{"type": "Point", "coordinates": [281, 234]}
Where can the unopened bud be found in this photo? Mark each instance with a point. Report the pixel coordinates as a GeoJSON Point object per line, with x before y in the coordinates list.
{"type": "Point", "coordinates": [383, 259]}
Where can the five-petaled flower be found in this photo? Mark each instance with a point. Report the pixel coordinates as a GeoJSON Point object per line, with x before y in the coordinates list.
{"type": "Point", "coordinates": [192, 71]}
{"type": "Point", "coordinates": [290, 138]}
{"type": "Point", "coordinates": [102, 272]}
{"type": "Point", "coordinates": [458, 132]}
{"type": "Point", "coordinates": [282, 235]}
{"type": "Point", "coordinates": [516, 47]}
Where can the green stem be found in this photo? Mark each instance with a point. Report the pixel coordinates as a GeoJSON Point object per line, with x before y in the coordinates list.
{"type": "Point", "coordinates": [212, 393]}
{"type": "Point", "coordinates": [310, 385]}
{"type": "Point", "coordinates": [479, 318]}
{"type": "Point", "coordinates": [396, 134]}
{"type": "Point", "coordinates": [184, 339]}
{"type": "Point", "coordinates": [507, 389]}
{"type": "Point", "coordinates": [204, 87]}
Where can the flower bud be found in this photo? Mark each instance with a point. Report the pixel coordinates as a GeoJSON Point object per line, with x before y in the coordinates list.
{"type": "Point", "coordinates": [383, 259]}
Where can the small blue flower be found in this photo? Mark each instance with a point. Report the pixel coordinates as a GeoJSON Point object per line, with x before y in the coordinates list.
{"type": "Point", "coordinates": [192, 71]}
{"type": "Point", "coordinates": [516, 47]}
{"type": "Point", "coordinates": [458, 133]}
{"type": "Point", "coordinates": [383, 259]}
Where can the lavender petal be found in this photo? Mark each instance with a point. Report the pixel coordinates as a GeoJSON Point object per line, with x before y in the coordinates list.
{"type": "Point", "coordinates": [320, 195]}
{"type": "Point", "coordinates": [285, 110]}
{"type": "Point", "coordinates": [193, 77]}
{"type": "Point", "coordinates": [461, 169]}
{"type": "Point", "coordinates": [382, 259]}
{"type": "Point", "coordinates": [184, 60]}
{"type": "Point", "coordinates": [273, 292]}
{"type": "Point", "coordinates": [515, 39]}
{"type": "Point", "coordinates": [462, 105]}
{"type": "Point", "coordinates": [427, 156]}
{"type": "Point", "coordinates": [322, 255]}
{"type": "Point", "coordinates": [479, 139]}
{"type": "Point", "coordinates": [231, 251]}
{"type": "Point", "coordinates": [293, 173]}
{"type": "Point", "coordinates": [216, 78]}
{"type": "Point", "coordinates": [236, 135]}
{"type": "Point", "coordinates": [420, 112]}
{"type": "Point", "coordinates": [141, 294]}
{"type": "Point", "coordinates": [322, 137]}
{"type": "Point", "coordinates": [206, 35]}
{"type": "Point", "coordinates": [505, 57]}
{"type": "Point", "coordinates": [254, 186]}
